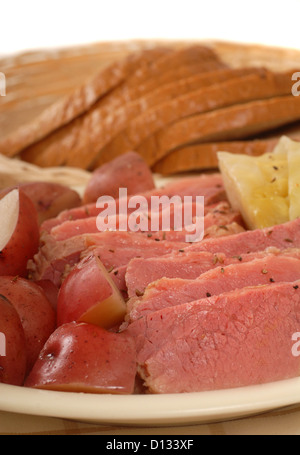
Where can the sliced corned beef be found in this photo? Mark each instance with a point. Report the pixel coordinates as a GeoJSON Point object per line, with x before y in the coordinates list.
{"type": "Point", "coordinates": [236, 339]}
{"type": "Point", "coordinates": [142, 272]}
{"type": "Point", "coordinates": [221, 216]}
{"type": "Point", "coordinates": [281, 236]}
{"type": "Point", "coordinates": [170, 292]}
{"type": "Point", "coordinates": [209, 186]}
{"type": "Point", "coordinates": [55, 258]}
{"type": "Point", "coordinates": [115, 249]}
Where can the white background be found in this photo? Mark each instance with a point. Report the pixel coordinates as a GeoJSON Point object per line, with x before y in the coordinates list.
{"type": "Point", "coordinates": [32, 24]}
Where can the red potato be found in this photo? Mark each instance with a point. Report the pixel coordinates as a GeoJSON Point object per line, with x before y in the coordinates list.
{"type": "Point", "coordinates": [128, 171]}
{"type": "Point", "coordinates": [50, 199]}
{"type": "Point", "coordinates": [19, 232]}
{"type": "Point", "coordinates": [88, 294]}
{"type": "Point", "coordinates": [50, 290]}
{"type": "Point", "coordinates": [13, 352]}
{"type": "Point", "coordinates": [80, 357]}
{"type": "Point", "coordinates": [37, 316]}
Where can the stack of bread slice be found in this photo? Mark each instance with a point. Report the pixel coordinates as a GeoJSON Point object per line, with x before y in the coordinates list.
{"type": "Point", "coordinates": [177, 105]}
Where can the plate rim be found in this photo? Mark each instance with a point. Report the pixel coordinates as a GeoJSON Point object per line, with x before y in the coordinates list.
{"type": "Point", "coordinates": [152, 410]}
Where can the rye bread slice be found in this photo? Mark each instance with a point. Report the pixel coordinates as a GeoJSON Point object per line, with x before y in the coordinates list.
{"type": "Point", "coordinates": [78, 102]}
{"type": "Point", "coordinates": [227, 124]}
{"type": "Point", "coordinates": [106, 124]}
{"type": "Point", "coordinates": [241, 88]}
{"type": "Point", "coordinates": [204, 156]}
{"type": "Point", "coordinates": [168, 92]}
{"type": "Point", "coordinates": [79, 142]}
{"type": "Point", "coordinates": [184, 62]}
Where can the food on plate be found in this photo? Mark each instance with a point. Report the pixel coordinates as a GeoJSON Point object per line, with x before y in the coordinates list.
{"type": "Point", "coordinates": [115, 250]}
{"type": "Point", "coordinates": [79, 142]}
{"type": "Point", "coordinates": [122, 288]}
{"type": "Point", "coordinates": [265, 188]}
{"type": "Point", "coordinates": [89, 294]}
{"type": "Point", "coordinates": [101, 308]}
{"type": "Point", "coordinates": [190, 265]}
{"type": "Point", "coordinates": [226, 124]}
{"type": "Point", "coordinates": [220, 214]}
{"type": "Point", "coordinates": [243, 272]}
{"type": "Point", "coordinates": [205, 156]}
{"type": "Point", "coordinates": [81, 357]}
{"type": "Point", "coordinates": [50, 199]}
{"type": "Point", "coordinates": [236, 339]}
{"type": "Point", "coordinates": [236, 90]}
{"type": "Point", "coordinates": [78, 102]}
{"type": "Point", "coordinates": [258, 187]}
{"type": "Point", "coordinates": [136, 101]}
{"type": "Point", "coordinates": [35, 312]}
{"type": "Point", "coordinates": [13, 359]}
{"type": "Point", "coordinates": [129, 171]}
{"type": "Point", "coordinates": [293, 159]}
{"type": "Point", "coordinates": [210, 186]}
{"type": "Point", "coordinates": [14, 171]}
{"type": "Point", "coordinates": [19, 233]}
{"type": "Point", "coordinates": [157, 107]}
{"type": "Point", "coordinates": [50, 290]}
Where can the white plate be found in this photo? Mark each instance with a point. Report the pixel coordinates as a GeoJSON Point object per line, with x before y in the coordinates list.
{"type": "Point", "coordinates": [151, 410]}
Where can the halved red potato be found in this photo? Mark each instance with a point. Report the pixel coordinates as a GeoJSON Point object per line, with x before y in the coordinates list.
{"type": "Point", "coordinates": [80, 357]}
{"type": "Point", "coordinates": [128, 171]}
{"type": "Point", "coordinates": [35, 312]}
{"type": "Point", "coordinates": [19, 232]}
{"type": "Point", "coordinates": [13, 352]}
{"type": "Point", "coordinates": [88, 294]}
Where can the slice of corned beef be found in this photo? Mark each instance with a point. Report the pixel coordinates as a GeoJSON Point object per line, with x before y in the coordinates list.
{"type": "Point", "coordinates": [282, 236]}
{"type": "Point", "coordinates": [170, 292]}
{"type": "Point", "coordinates": [219, 217]}
{"type": "Point", "coordinates": [115, 250]}
{"type": "Point", "coordinates": [142, 272]}
{"type": "Point", "coordinates": [236, 339]}
{"type": "Point", "coordinates": [54, 258]}
{"type": "Point", "coordinates": [209, 186]}
{"type": "Point", "coordinates": [217, 230]}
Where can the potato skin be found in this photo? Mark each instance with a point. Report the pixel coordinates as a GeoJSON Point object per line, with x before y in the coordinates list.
{"type": "Point", "coordinates": [50, 199]}
{"type": "Point", "coordinates": [13, 364]}
{"type": "Point", "coordinates": [51, 291]}
{"type": "Point", "coordinates": [24, 242]}
{"type": "Point", "coordinates": [82, 357]}
{"type": "Point", "coordinates": [127, 171]}
{"type": "Point", "coordinates": [88, 294]}
{"type": "Point", "coordinates": [36, 314]}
